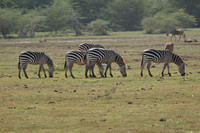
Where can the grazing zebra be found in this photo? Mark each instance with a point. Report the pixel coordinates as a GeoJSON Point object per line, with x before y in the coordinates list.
{"type": "Point", "coordinates": [99, 55]}
{"type": "Point", "coordinates": [31, 57]}
{"type": "Point", "coordinates": [84, 47]}
{"type": "Point", "coordinates": [79, 58]}
{"type": "Point", "coordinates": [161, 56]}
{"type": "Point", "coordinates": [176, 32]}
{"type": "Point", "coordinates": [169, 46]}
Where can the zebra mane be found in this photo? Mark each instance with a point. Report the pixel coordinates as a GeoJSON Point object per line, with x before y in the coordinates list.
{"type": "Point", "coordinates": [49, 61]}
{"type": "Point", "coordinates": [118, 57]}
{"type": "Point", "coordinates": [177, 59]}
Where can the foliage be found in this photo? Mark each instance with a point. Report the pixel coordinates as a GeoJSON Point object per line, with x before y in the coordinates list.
{"type": "Point", "coordinates": [161, 23]}
{"type": "Point", "coordinates": [126, 14]}
{"type": "Point", "coordinates": [25, 4]}
{"type": "Point", "coordinates": [8, 20]}
{"type": "Point", "coordinates": [99, 27]}
{"type": "Point", "coordinates": [59, 15]}
{"type": "Point", "coordinates": [27, 24]}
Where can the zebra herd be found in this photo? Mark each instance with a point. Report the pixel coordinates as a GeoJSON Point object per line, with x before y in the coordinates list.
{"type": "Point", "coordinates": [91, 54]}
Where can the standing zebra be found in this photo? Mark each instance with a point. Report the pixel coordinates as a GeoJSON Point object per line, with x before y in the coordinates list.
{"type": "Point", "coordinates": [84, 47]}
{"type": "Point", "coordinates": [175, 32]}
{"type": "Point", "coordinates": [31, 57]}
{"type": "Point", "coordinates": [79, 58]}
{"type": "Point", "coordinates": [161, 56]}
{"type": "Point", "coordinates": [99, 55]}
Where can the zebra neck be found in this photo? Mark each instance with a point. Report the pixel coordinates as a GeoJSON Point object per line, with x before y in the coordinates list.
{"type": "Point", "coordinates": [177, 60]}
{"type": "Point", "coordinates": [49, 62]}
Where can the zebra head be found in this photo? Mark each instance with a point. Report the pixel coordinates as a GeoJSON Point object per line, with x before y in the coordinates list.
{"type": "Point", "coordinates": [181, 69]}
{"type": "Point", "coordinates": [120, 61]}
{"type": "Point", "coordinates": [51, 67]}
{"type": "Point", "coordinates": [50, 70]}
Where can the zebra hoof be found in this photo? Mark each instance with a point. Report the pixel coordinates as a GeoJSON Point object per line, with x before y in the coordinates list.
{"type": "Point", "coordinates": [169, 74]}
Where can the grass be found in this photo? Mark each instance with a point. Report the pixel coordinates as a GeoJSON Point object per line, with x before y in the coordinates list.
{"type": "Point", "coordinates": [131, 104]}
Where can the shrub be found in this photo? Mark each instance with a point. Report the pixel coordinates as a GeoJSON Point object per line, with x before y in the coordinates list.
{"type": "Point", "coordinates": [162, 23]}
{"type": "Point", "coordinates": [99, 27]}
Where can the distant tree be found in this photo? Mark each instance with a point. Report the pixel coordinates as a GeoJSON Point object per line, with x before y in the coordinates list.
{"type": "Point", "coordinates": [25, 4]}
{"type": "Point", "coordinates": [89, 10]}
{"type": "Point", "coordinates": [190, 6]}
{"type": "Point", "coordinates": [59, 15]}
{"type": "Point", "coordinates": [8, 20]}
{"type": "Point", "coordinates": [126, 14]}
{"type": "Point", "coordinates": [27, 23]}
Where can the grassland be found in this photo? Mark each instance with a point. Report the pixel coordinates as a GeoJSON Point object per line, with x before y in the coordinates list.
{"type": "Point", "coordinates": [131, 104]}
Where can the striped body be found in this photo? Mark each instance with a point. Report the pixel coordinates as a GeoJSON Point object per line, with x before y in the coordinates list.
{"type": "Point", "coordinates": [35, 58]}
{"type": "Point", "coordinates": [161, 56]}
{"type": "Point", "coordinates": [79, 58]}
{"type": "Point", "coordinates": [99, 55]}
{"type": "Point", "coordinates": [84, 47]}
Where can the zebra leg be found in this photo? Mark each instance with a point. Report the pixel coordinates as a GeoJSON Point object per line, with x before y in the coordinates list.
{"type": "Point", "coordinates": [86, 69]}
{"type": "Point", "coordinates": [100, 69]}
{"type": "Point", "coordinates": [70, 69]}
{"type": "Point", "coordinates": [66, 68]}
{"type": "Point", "coordinates": [92, 68]}
{"type": "Point", "coordinates": [19, 67]}
{"type": "Point", "coordinates": [40, 67]}
{"type": "Point", "coordinates": [111, 72]}
{"type": "Point", "coordinates": [44, 72]}
{"type": "Point", "coordinates": [164, 69]}
{"type": "Point", "coordinates": [108, 66]}
{"type": "Point", "coordinates": [168, 70]}
{"type": "Point", "coordinates": [148, 68]}
{"type": "Point", "coordinates": [143, 63]}
{"type": "Point", "coordinates": [24, 69]}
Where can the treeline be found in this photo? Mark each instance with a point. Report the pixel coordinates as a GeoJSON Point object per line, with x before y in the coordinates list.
{"type": "Point", "coordinates": [25, 17]}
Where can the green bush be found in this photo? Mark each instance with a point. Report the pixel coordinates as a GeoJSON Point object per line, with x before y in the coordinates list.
{"type": "Point", "coordinates": [99, 27]}
{"type": "Point", "coordinates": [161, 23]}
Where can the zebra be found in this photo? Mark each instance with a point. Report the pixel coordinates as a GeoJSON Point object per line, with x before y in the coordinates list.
{"type": "Point", "coordinates": [99, 55]}
{"type": "Point", "coordinates": [161, 56]}
{"type": "Point", "coordinates": [84, 47]}
{"type": "Point", "coordinates": [35, 58]}
{"type": "Point", "coordinates": [79, 58]}
{"type": "Point", "coordinates": [175, 32]}
{"type": "Point", "coordinates": [169, 46]}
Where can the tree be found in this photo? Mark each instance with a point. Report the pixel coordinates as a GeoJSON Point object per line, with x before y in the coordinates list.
{"type": "Point", "coordinates": [89, 10]}
{"type": "Point", "coordinates": [8, 20]}
{"type": "Point", "coordinates": [59, 15]}
{"type": "Point", "coordinates": [28, 23]}
{"type": "Point", "coordinates": [190, 6]}
{"type": "Point", "coordinates": [126, 14]}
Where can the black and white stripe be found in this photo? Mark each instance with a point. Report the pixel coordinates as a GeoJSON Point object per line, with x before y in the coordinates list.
{"type": "Point", "coordinates": [79, 58]}
{"type": "Point", "coordinates": [35, 58]}
{"type": "Point", "coordinates": [84, 47]}
{"type": "Point", "coordinates": [161, 56]}
{"type": "Point", "coordinates": [99, 55]}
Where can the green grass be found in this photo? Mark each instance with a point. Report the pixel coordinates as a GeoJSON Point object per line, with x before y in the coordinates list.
{"type": "Point", "coordinates": [131, 104]}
